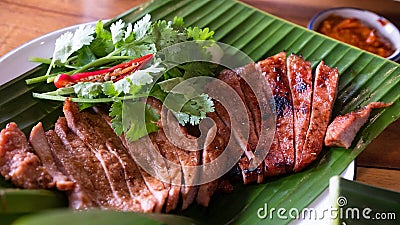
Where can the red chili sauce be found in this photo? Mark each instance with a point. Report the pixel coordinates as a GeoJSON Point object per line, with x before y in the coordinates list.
{"type": "Point", "coordinates": [352, 31]}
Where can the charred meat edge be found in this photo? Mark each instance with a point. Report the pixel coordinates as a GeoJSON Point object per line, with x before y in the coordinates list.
{"type": "Point", "coordinates": [300, 80]}
{"type": "Point", "coordinates": [18, 163]}
{"type": "Point", "coordinates": [324, 94]}
{"type": "Point", "coordinates": [122, 173]}
{"type": "Point", "coordinates": [274, 70]}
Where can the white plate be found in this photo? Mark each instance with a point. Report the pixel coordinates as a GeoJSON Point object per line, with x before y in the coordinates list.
{"type": "Point", "coordinates": [17, 62]}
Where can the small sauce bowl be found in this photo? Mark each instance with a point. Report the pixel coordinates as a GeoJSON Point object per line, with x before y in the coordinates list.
{"type": "Point", "coordinates": [360, 28]}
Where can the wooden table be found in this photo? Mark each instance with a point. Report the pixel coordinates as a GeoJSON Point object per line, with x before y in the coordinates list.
{"type": "Point", "coordinates": [24, 20]}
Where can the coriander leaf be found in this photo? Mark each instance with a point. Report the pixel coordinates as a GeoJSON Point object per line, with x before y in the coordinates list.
{"type": "Point", "coordinates": [101, 32]}
{"type": "Point", "coordinates": [63, 47]}
{"type": "Point", "coordinates": [142, 77]}
{"type": "Point", "coordinates": [117, 31]}
{"type": "Point", "coordinates": [200, 34]}
{"type": "Point", "coordinates": [102, 45]}
{"type": "Point", "coordinates": [195, 110]}
{"type": "Point", "coordinates": [88, 89]}
{"type": "Point", "coordinates": [178, 23]}
{"type": "Point", "coordinates": [68, 43]}
{"type": "Point", "coordinates": [137, 50]}
{"type": "Point", "coordinates": [142, 26]}
{"type": "Point", "coordinates": [138, 120]}
{"type": "Point", "coordinates": [109, 89]}
{"type": "Point", "coordinates": [85, 56]}
{"type": "Point", "coordinates": [123, 86]}
{"type": "Point", "coordinates": [116, 114]}
{"type": "Point", "coordinates": [82, 36]}
{"type": "Point", "coordinates": [128, 31]}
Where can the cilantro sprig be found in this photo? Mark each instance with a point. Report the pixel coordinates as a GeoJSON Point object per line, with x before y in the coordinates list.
{"type": "Point", "coordinates": [91, 48]}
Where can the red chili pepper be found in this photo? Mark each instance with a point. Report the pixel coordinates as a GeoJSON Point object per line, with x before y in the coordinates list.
{"type": "Point", "coordinates": [114, 73]}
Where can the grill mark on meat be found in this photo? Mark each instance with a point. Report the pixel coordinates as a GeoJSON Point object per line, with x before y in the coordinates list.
{"type": "Point", "coordinates": [211, 150]}
{"type": "Point", "coordinates": [86, 161]}
{"type": "Point", "coordinates": [136, 149]}
{"type": "Point", "coordinates": [42, 149]}
{"type": "Point", "coordinates": [325, 84]}
{"type": "Point", "coordinates": [343, 129]}
{"type": "Point", "coordinates": [257, 93]}
{"type": "Point", "coordinates": [300, 81]}
{"type": "Point", "coordinates": [18, 163]}
{"type": "Point", "coordinates": [82, 196]}
{"type": "Point", "coordinates": [274, 69]}
{"type": "Point", "coordinates": [125, 179]}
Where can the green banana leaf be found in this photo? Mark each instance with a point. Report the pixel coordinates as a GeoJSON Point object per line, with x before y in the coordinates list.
{"type": "Point", "coordinates": [364, 77]}
{"type": "Point", "coordinates": [363, 204]}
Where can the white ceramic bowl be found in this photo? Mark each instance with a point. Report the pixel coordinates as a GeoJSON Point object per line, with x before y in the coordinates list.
{"type": "Point", "coordinates": [381, 24]}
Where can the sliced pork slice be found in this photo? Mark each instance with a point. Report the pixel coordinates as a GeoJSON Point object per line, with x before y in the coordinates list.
{"type": "Point", "coordinates": [145, 151]}
{"type": "Point", "coordinates": [249, 175]}
{"type": "Point", "coordinates": [82, 196]}
{"type": "Point", "coordinates": [300, 81]}
{"type": "Point", "coordinates": [84, 162]}
{"type": "Point", "coordinates": [343, 129]}
{"type": "Point", "coordinates": [42, 149]}
{"type": "Point", "coordinates": [323, 98]}
{"type": "Point", "coordinates": [168, 152]}
{"type": "Point", "coordinates": [122, 172]}
{"type": "Point", "coordinates": [19, 164]}
{"type": "Point", "coordinates": [234, 81]}
{"type": "Point", "coordinates": [187, 158]}
{"type": "Point", "coordinates": [274, 70]}
{"type": "Point", "coordinates": [274, 162]}
{"type": "Point", "coordinates": [216, 141]}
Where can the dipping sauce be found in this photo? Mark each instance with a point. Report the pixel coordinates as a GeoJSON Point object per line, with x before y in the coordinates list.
{"type": "Point", "coordinates": [352, 31]}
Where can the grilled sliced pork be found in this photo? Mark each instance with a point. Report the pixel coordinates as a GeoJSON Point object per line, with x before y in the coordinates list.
{"type": "Point", "coordinates": [121, 170]}
{"type": "Point", "coordinates": [84, 162]}
{"type": "Point", "coordinates": [217, 139]}
{"type": "Point", "coordinates": [325, 84]}
{"type": "Point", "coordinates": [248, 175]}
{"type": "Point", "coordinates": [158, 166]}
{"type": "Point", "coordinates": [274, 70]}
{"type": "Point", "coordinates": [234, 81]}
{"type": "Point", "coordinates": [187, 158]}
{"type": "Point", "coordinates": [82, 196]}
{"type": "Point", "coordinates": [141, 150]}
{"type": "Point", "coordinates": [42, 149]}
{"type": "Point", "coordinates": [343, 129]}
{"type": "Point", "coordinates": [18, 163]}
{"type": "Point", "coordinates": [274, 162]}
{"type": "Point", "coordinates": [300, 81]}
